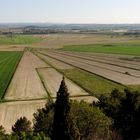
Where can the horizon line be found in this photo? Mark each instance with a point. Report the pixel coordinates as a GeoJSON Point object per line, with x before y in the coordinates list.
{"type": "Point", "coordinates": [59, 23]}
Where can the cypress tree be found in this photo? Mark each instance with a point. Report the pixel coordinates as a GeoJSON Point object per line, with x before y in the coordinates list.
{"type": "Point", "coordinates": [61, 114]}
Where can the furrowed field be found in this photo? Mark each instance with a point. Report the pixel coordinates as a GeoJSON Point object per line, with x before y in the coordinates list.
{"type": "Point", "coordinates": [8, 64]}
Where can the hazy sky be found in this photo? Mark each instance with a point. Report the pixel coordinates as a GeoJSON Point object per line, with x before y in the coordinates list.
{"type": "Point", "coordinates": [70, 11]}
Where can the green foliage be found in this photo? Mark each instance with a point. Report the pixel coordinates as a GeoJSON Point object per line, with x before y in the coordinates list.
{"type": "Point", "coordinates": [21, 126]}
{"type": "Point", "coordinates": [43, 120]}
{"type": "Point", "coordinates": [92, 83]}
{"type": "Point", "coordinates": [129, 49]}
{"type": "Point", "coordinates": [124, 109]}
{"type": "Point", "coordinates": [130, 115]}
{"type": "Point", "coordinates": [2, 130]}
{"type": "Point", "coordinates": [111, 105]}
{"type": "Point", "coordinates": [90, 122]}
{"type": "Point", "coordinates": [61, 114]}
{"type": "Point", "coordinates": [8, 64]}
{"type": "Point", "coordinates": [18, 40]}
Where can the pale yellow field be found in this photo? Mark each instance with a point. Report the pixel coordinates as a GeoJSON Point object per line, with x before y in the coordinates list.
{"type": "Point", "coordinates": [52, 80]}
{"type": "Point", "coordinates": [11, 111]}
{"type": "Point", "coordinates": [26, 83]}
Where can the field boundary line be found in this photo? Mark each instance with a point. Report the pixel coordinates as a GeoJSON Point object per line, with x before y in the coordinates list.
{"type": "Point", "coordinates": [49, 96]}
{"type": "Point", "coordinates": [22, 100]}
{"type": "Point", "coordinates": [100, 61]}
{"type": "Point", "coordinates": [89, 92]}
{"type": "Point", "coordinates": [99, 66]}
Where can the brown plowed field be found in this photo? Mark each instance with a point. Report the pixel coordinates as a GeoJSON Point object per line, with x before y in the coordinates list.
{"type": "Point", "coordinates": [104, 58]}
{"type": "Point", "coordinates": [54, 62]}
{"type": "Point", "coordinates": [107, 73]}
{"type": "Point", "coordinates": [26, 83]}
{"type": "Point", "coordinates": [111, 66]}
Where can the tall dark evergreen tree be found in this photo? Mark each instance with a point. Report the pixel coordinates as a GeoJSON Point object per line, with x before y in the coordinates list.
{"type": "Point", "coordinates": [61, 114]}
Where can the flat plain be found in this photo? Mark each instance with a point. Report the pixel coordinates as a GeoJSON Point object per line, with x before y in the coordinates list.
{"type": "Point", "coordinates": [46, 58]}
{"type": "Point", "coordinates": [26, 83]}
{"type": "Point", "coordinates": [114, 75]}
{"type": "Point", "coordinates": [52, 80]}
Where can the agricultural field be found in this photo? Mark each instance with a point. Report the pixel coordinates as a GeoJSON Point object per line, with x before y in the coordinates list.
{"type": "Point", "coordinates": [8, 64]}
{"type": "Point", "coordinates": [92, 83]}
{"type": "Point", "coordinates": [26, 83]}
{"type": "Point", "coordinates": [31, 78]}
{"type": "Point", "coordinates": [33, 84]}
{"type": "Point", "coordinates": [11, 111]}
{"type": "Point", "coordinates": [113, 75]}
{"type": "Point", "coordinates": [49, 75]}
{"type": "Point", "coordinates": [56, 41]}
{"type": "Point", "coordinates": [109, 70]}
{"type": "Point", "coordinates": [19, 40]}
{"type": "Point", "coordinates": [127, 49]}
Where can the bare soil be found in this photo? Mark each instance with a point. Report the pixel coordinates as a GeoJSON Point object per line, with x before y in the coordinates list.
{"type": "Point", "coordinates": [11, 111]}
{"type": "Point", "coordinates": [109, 74]}
{"type": "Point", "coordinates": [55, 63]}
{"type": "Point", "coordinates": [26, 83]}
{"type": "Point", "coordinates": [114, 66]}
{"type": "Point", "coordinates": [52, 80]}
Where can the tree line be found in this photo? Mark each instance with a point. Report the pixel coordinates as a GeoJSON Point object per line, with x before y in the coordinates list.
{"type": "Point", "coordinates": [116, 117]}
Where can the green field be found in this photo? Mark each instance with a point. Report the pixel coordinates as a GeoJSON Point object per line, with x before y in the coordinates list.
{"type": "Point", "coordinates": [19, 40]}
{"type": "Point", "coordinates": [8, 64]}
{"type": "Point", "coordinates": [92, 83]}
{"type": "Point", "coordinates": [128, 49]}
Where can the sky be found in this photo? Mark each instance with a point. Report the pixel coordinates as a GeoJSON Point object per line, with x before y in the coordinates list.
{"type": "Point", "coordinates": [70, 11]}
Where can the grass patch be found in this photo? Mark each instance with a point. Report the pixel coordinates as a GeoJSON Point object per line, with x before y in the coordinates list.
{"type": "Point", "coordinates": [19, 40]}
{"type": "Point", "coordinates": [8, 64]}
{"type": "Point", "coordinates": [92, 83]}
{"type": "Point", "coordinates": [135, 87]}
{"type": "Point", "coordinates": [128, 49]}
